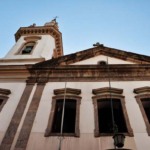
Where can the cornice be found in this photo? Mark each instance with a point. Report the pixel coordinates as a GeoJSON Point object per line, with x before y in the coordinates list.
{"type": "Point", "coordinates": [107, 90]}
{"type": "Point", "coordinates": [93, 73]}
{"type": "Point", "coordinates": [42, 30]}
{"type": "Point", "coordinates": [67, 91]}
{"type": "Point", "coordinates": [5, 91]}
{"type": "Point", "coordinates": [22, 60]}
{"type": "Point", "coordinates": [96, 51]}
{"type": "Point", "coordinates": [145, 89]}
{"type": "Point", "coordinates": [14, 72]}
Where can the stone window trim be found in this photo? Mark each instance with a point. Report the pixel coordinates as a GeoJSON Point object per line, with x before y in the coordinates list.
{"type": "Point", "coordinates": [119, 149]}
{"type": "Point", "coordinates": [30, 39]}
{"type": "Point", "coordinates": [139, 101]}
{"type": "Point", "coordinates": [4, 97]}
{"type": "Point", "coordinates": [122, 100]}
{"type": "Point", "coordinates": [23, 46]}
{"type": "Point", "coordinates": [50, 122]}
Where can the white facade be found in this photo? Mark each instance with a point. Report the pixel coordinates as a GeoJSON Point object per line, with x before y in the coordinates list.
{"type": "Point", "coordinates": [95, 60]}
{"type": "Point", "coordinates": [17, 81]}
{"type": "Point", "coordinates": [43, 49]}
{"type": "Point", "coordinates": [87, 139]}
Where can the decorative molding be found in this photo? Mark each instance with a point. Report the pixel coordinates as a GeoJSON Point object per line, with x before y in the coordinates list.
{"type": "Point", "coordinates": [107, 90]}
{"type": "Point", "coordinates": [68, 91]}
{"type": "Point", "coordinates": [92, 52]}
{"type": "Point", "coordinates": [140, 90]}
{"type": "Point", "coordinates": [119, 149]}
{"type": "Point", "coordinates": [89, 73]}
{"type": "Point", "coordinates": [4, 91]}
{"type": "Point", "coordinates": [32, 38]}
{"type": "Point", "coordinates": [14, 72]}
{"type": "Point", "coordinates": [35, 60]}
{"type": "Point", "coordinates": [92, 73]}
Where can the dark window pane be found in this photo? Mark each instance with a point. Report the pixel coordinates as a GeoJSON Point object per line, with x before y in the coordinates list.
{"type": "Point", "coordinates": [69, 116]}
{"type": "Point", "coordinates": [146, 106]}
{"type": "Point", "coordinates": [27, 49]}
{"type": "Point", "coordinates": [105, 116]}
{"type": "Point", "coordinates": [1, 101]}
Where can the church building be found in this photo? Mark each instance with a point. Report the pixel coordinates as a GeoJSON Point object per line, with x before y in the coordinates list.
{"type": "Point", "coordinates": [94, 99]}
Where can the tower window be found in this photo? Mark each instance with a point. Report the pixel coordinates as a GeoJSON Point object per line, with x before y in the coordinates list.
{"type": "Point", "coordinates": [27, 48]}
{"type": "Point", "coordinates": [29, 45]}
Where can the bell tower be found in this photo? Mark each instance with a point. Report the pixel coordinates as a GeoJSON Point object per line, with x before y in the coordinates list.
{"type": "Point", "coordinates": [36, 43]}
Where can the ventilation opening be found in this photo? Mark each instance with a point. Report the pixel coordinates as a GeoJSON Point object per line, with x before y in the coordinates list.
{"type": "Point", "coordinates": [105, 116]}
{"type": "Point", "coordinates": [69, 116]}
{"type": "Point", "coordinates": [102, 63]}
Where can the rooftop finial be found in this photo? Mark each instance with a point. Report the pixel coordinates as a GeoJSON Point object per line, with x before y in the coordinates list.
{"type": "Point", "coordinates": [97, 44]}
{"type": "Point", "coordinates": [55, 18]}
{"type": "Point", "coordinates": [52, 23]}
{"type": "Point", "coordinates": [33, 25]}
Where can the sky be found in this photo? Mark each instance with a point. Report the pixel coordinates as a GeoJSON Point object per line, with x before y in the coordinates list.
{"type": "Point", "coordinates": [120, 24]}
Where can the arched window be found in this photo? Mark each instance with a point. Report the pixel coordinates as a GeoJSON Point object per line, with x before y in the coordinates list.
{"type": "Point", "coordinates": [27, 48]}
{"type": "Point", "coordinates": [29, 45]}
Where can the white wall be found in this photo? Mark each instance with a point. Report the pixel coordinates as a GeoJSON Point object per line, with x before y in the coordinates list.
{"type": "Point", "coordinates": [9, 108]}
{"type": "Point", "coordinates": [87, 116]}
{"type": "Point", "coordinates": [44, 48]}
{"type": "Point", "coordinates": [96, 59]}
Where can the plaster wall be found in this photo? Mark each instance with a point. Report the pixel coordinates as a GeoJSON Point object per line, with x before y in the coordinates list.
{"type": "Point", "coordinates": [87, 140]}
{"type": "Point", "coordinates": [9, 108]}
{"type": "Point", "coordinates": [96, 59]}
{"type": "Point", "coordinates": [43, 49]}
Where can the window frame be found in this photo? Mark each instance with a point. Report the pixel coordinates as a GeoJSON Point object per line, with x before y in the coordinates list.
{"type": "Point", "coordinates": [4, 96]}
{"type": "Point", "coordinates": [139, 101]}
{"type": "Point", "coordinates": [28, 39]}
{"type": "Point", "coordinates": [24, 45]}
{"type": "Point", "coordinates": [122, 101]}
{"type": "Point", "coordinates": [48, 131]}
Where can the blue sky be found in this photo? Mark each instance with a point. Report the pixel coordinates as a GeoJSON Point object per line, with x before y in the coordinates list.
{"type": "Point", "coordinates": [121, 24]}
